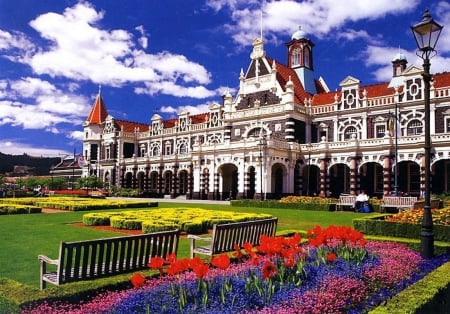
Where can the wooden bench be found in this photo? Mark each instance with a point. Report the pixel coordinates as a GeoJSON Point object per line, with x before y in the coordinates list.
{"type": "Point", "coordinates": [345, 200]}
{"type": "Point", "coordinates": [225, 236]}
{"type": "Point", "coordinates": [90, 259]}
{"type": "Point", "coordinates": [397, 202]}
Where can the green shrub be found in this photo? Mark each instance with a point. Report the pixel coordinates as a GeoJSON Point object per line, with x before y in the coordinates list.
{"type": "Point", "coordinates": [194, 227]}
{"type": "Point", "coordinates": [150, 226]}
{"type": "Point", "coordinates": [14, 209]}
{"type": "Point", "coordinates": [95, 219]}
{"type": "Point", "coordinates": [429, 295]}
{"type": "Point", "coordinates": [376, 225]}
{"type": "Point", "coordinates": [121, 222]}
{"type": "Point", "coordinates": [277, 204]}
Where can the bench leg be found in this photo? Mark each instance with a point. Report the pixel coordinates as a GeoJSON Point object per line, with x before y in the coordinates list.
{"type": "Point", "coordinates": [192, 246]}
{"type": "Point", "coordinates": [42, 272]}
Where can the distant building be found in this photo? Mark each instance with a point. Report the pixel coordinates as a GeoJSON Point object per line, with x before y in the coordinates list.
{"type": "Point", "coordinates": [283, 133]}
{"type": "Point", "coordinates": [69, 169]}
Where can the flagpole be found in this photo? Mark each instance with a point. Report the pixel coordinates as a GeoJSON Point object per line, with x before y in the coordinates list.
{"type": "Point", "coordinates": [73, 169]}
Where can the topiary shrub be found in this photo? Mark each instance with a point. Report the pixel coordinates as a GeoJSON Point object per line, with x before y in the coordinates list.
{"type": "Point", "coordinates": [94, 219]}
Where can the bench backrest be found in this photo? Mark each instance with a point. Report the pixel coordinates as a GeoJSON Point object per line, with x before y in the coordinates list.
{"type": "Point", "coordinates": [347, 199]}
{"type": "Point", "coordinates": [101, 257]}
{"type": "Point", "coordinates": [399, 201]}
{"type": "Point", "coordinates": [226, 235]}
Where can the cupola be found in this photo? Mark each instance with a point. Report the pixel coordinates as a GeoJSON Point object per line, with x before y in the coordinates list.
{"type": "Point", "coordinates": [300, 58]}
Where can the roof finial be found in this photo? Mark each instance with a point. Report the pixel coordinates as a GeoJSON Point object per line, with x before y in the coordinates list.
{"type": "Point", "coordinates": [99, 89]}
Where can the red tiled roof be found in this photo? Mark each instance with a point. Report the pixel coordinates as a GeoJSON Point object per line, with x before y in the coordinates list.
{"type": "Point", "coordinates": [325, 98]}
{"type": "Point", "coordinates": [283, 74]}
{"type": "Point", "coordinates": [199, 118]}
{"type": "Point", "coordinates": [128, 126]}
{"type": "Point", "coordinates": [98, 112]}
{"type": "Point", "coordinates": [441, 79]}
{"type": "Point", "coordinates": [376, 90]}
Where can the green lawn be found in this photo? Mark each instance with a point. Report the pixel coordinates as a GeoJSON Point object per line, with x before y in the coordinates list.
{"type": "Point", "coordinates": [24, 237]}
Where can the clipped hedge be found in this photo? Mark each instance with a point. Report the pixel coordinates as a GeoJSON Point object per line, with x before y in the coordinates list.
{"type": "Point", "coordinates": [376, 225]}
{"type": "Point", "coordinates": [156, 226]}
{"type": "Point", "coordinates": [278, 204]}
{"type": "Point", "coordinates": [14, 209]}
{"type": "Point", "coordinates": [190, 220]}
{"type": "Point", "coordinates": [79, 203]}
{"type": "Point", "coordinates": [428, 295]}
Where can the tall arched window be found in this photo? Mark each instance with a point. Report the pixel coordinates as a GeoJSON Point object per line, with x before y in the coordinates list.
{"type": "Point", "coordinates": [296, 57]}
{"type": "Point", "coordinates": [349, 131]}
{"type": "Point", "coordinates": [414, 127]}
{"type": "Point", "coordinates": [183, 149]}
{"type": "Point", "coordinates": [155, 151]}
{"type": "Point", "coordinates": [307, 58]}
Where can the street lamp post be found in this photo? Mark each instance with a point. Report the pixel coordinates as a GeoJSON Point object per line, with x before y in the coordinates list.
{"type": "Point", "coordinates": [395, 119]}
{"type": "Point", "coordinates": [261, 144]}
{"type": "Point", "coordinates": [309, 149]}
{"type": "Point", "coordinates": [426, 33]}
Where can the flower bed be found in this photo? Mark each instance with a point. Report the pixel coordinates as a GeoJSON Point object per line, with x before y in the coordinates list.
{"type": "Point", "coordinates": [406, 224]}
{"type": "Point", "coordinates": [191, 220]}
{"type": "Point", "coordinates": [78, 203]}
{"type": "Point", "coordinates": [337, 272]}
{"type": "Point", "coordinates": [415, 216]}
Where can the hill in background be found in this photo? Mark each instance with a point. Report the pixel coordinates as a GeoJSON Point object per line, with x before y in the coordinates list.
{"type": "Point", "coordinates": [26, 164]}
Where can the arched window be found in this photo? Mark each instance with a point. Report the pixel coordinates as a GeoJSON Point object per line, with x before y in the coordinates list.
{"type": "Point", "coordinates": [414, 127]}
{"type": "Point", "coordinates": [183, 149]}
{"type": "Point", "coordinates": [155, 151]}
{"type": "Point", "coordinates": [296, 57]}
{"type": "Point", "coordinates": [350, 132]}
{"type": "Point", "coordinates": [307, 58]}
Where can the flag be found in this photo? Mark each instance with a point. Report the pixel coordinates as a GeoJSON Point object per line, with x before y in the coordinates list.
{"type": "Point", "coordinates": [392, 126]}
{"type": "Point", "coordinates": [81, 162]}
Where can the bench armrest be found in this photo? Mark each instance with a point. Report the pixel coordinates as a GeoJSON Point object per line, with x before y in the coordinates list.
{"type": "Point", "coordinates": [194, 238]}
{"type": "Point", "coordinates": [45, 259]}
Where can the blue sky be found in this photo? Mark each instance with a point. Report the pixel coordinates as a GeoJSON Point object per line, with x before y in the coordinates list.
{"type": "Point", "coordinates": [163, 56]}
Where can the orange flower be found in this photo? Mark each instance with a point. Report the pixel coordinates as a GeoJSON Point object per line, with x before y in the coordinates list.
{"type": "Point", "coordinates": [237, 251]}
{"type": "Point", "coordinates": [268, 270]}
{"type": "Point", "coordinates": [199, 267]}
{"type": "Point", "coordinates": [248, 247]}
{"type": "Point", "coordinates": [156, 263]}
{"type": "Point", "coordinates": [222, 261]}
{"type": "Point", "coordinates": [178, 266]}
{"type": "Point", "coordinates": [331, 257]}
{"type": "Point", "coordinates": [137, 280]}
{"type": "Point", "coordinates": [172, 257]}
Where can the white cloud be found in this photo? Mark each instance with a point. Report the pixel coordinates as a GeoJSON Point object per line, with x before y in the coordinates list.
{"type": "Point", "coordinates": [193, 110]}
{"type": "Point", "coordinates": [110, 57]}
{"type": "Point", "coordinates": [320, 17]}
{"type": "Point", "coordinates": [37, 104]}
{"type": "Point", "coordinates": [77, 135]}
{"type": "Point", "coordinates": [18, 148]}
{"type": "Point", "coordinates": [143, 40]}
{"type": "Point", "coordinates": [15, 46]}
